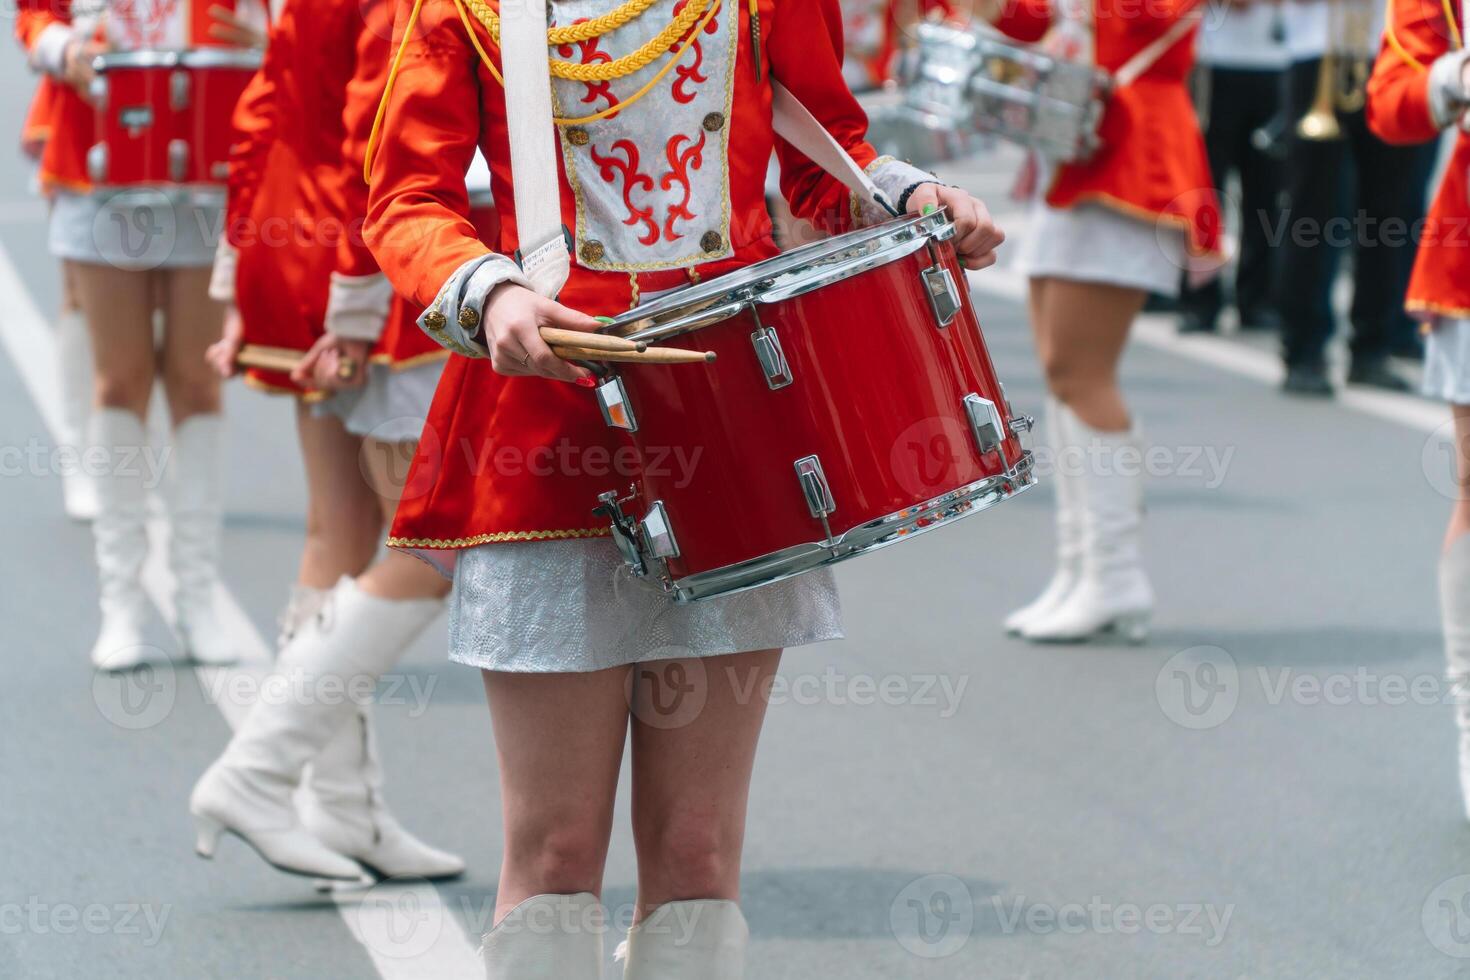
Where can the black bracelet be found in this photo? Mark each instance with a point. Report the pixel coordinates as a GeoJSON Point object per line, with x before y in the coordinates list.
{"type": "Point", "coordinates": [908, 192]}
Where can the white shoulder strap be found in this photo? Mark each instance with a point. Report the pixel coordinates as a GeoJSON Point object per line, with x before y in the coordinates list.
{"type": "Point", "coordinates": [544, 254]}
{"type": "Point", "coordinates": [1135, 66]}
{"type": "Point", "coordinates": [797, 126]}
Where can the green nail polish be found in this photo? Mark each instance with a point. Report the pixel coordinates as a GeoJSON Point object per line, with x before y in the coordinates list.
{"type": "Point", "coordinates": [604, 319]}
{"type": "Point", "coordinates": [930, 209]}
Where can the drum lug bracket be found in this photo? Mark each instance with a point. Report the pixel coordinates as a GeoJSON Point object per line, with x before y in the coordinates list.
{"type": "Point", "coordinates": [178, 91]}
{"type": "Point", "coordinates": [989, 429]}
{"type": "Point", "coordinates": [772, 357]}
{"type": "Point", "coordinates": [178, 160]}
{"type": "Point", "coordinates": [617, 410]}
{"type": "Point", "coordinates": [624, 530]}
{"type": "Point", "coordinates": [944, 295]}
{"type": "Point", "coordinates": [658, 533]}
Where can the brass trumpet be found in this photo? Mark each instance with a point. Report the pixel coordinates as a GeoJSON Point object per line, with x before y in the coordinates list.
{"type": "Point", "coordinates": [1342, 82]}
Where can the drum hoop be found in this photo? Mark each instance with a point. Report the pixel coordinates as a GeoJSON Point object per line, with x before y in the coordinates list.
{"type": "Point", "coordinates": [136, 59]}
{"type": "Point", "coordinates": [247, 58]}
{"type": "Point", "coordinates": [794, 273]}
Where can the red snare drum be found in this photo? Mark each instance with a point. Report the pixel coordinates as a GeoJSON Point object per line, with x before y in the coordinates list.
{"type": "Point", "coordinates": [853, 405]}
{"type": "Point", "coordinates": [164, 117]}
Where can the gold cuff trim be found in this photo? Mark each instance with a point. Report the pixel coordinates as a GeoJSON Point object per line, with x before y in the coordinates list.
{"type": "Point", "coordinates": [500, 537]}
{"type": "Point", "coordinates": [310, 397]}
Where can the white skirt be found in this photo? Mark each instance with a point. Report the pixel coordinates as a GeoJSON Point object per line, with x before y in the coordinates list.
{"type": "Point", "coordinates": [1447, 362]}
{"type": "Point", "coordinates": [573, 606]}
{"type": "Point", "coordinates": [137, 230]}
{"type": "Point", "coordinates": [1093, 243]}
{"type": "Point", "coordinates": [391, 406]}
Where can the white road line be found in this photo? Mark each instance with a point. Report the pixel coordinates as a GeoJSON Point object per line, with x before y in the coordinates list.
{"type": "Point", "coordinates": [1236, 358]}
{"type": "Point", "coordinates": [386, 919]}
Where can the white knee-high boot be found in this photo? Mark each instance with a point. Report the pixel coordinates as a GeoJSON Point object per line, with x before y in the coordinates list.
{"type": "Point", "coordinates": [343, 807]}
{"type": "Point", "coordinates": [304, 603]}
{"type": "Point", "coordinates": [703, 939]}
{"type": "Point", "coordinates": [249, 789]}
{"type": "Point", "coordinates": [1060, 433]}
{"type": "Point", "coordinates": [195, 516]}
{"type": "Point", "coordinates": [74, 381]}
{"type": "Point", "coordinates": [547, 937]}
{"type": "Point", "coordinates": [1454, 603]}
{"type": "Point", "coordinates": [1113, 593]}
{"type": "Point", "coordinates": [121, 538]}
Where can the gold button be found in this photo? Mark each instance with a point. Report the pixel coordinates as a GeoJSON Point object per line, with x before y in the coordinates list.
{"type": "Point", "coordinates": [714, 122]}
{"type": "Point", "coordinates": [435, 320]}
{"type": "Point", "coordinates": [712, 241]}
{"type": "Point", "coordinates": [591, 251]}
{"type": "Point", "coordinates": [469, 318]}
{"type": "Point", "coordinates": [577, 136]}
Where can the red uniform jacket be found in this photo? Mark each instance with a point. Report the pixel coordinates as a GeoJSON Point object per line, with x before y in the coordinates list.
{"type": "Point", "coordinates": [675, 185]}
{"type": "Point", "coordinates": [37, 128]}
{"type": "Point", "coordinates": [1398, 111]}
{"type": "Point", "coordinates": [1152, 163]}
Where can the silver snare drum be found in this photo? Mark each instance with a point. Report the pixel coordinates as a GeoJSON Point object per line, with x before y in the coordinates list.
{"type": "Point", "coordinates": [931, 122]}
{"type": "Point", "coordinates": [1047, 104]}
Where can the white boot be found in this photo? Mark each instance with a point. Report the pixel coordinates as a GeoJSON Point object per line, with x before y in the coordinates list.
{"type": "Point", "coordinates": [1454, 601]}
{"type": "Point", "coordinates": [1113, 593]}
{"type": "Point", "coordinates": [74, 382]}
{"type": "Point", "coordinates": [121, 539]}
{"type": "Point", "coordinates": [195, 516]}
{"type": "Point", "coordinates": [248, 791]}
{"type": "Point", "coordinates": [547, 937]}
{"type": "Point", "coordinates": [1059, 423]}
{"type": "Point", "coordinates": [343, 807]}
{"type": "Point", "coordinates": [302, 606]}
{"type": "Point", "coordinates": [702, 939]}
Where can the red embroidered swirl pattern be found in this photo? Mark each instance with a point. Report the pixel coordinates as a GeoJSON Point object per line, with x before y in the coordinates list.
{"type": "Point", "coordinates": [612, 167]}
{"type": "Point", "coordinates": [680, 164]}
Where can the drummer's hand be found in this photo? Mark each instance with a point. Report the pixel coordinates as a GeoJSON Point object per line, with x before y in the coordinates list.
{"type": "Point", "coordinates": [228, 28]}
{"type": "Point", "coordinates": [514, 316]}
{"type": "Point", "coordinates": [334, 363]}
{"type": "Point", "coordinates": [976, 236]}
{"type": "Point", "coordinates": [222, 353]}
{"type": "Point", "coordinates": [77, 70]}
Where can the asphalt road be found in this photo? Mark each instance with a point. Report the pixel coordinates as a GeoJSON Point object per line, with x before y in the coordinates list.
{"type": "Point", "coordinates": [1266, 789]}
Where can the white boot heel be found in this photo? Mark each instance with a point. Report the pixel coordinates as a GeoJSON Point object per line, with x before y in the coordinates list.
{"type": "Point", "coordinates": [207, 832]}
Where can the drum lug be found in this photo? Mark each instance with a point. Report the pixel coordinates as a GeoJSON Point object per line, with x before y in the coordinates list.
{"type": "Point", "coordinates": [772, 357]}
{"type": "Point", "coordinates": [617, 411]}
{"type": "Point", "coordinates": [97, 92]}
{"type": "Point", "coordinates": [986, 424]}
{"type": "Point", "coordinates": [815, 488]}
{"type": "Point", "coordinates": [944, 295]}
{"type": "Point", "coordinates": [178, 161]}
{"type": "Point", "coordinates": [97, 163]}
{"type": "Point", "coordinates": [178, 90]}
{"type": "Point", "coordinates": [658, 533]}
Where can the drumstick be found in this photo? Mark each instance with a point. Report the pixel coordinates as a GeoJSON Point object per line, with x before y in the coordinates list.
{"type": "Point", "coordinates": [281, 359]}
{"type": "Point", "coordinates": [654, 355]}
{"type": "Point", "coordinates": [590, 341]}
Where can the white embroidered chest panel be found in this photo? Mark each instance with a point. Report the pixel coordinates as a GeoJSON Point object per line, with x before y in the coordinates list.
{"type": "Point", "coordinates": [652, 183]}
{"type": "Point", "coordinates": [134, 25]}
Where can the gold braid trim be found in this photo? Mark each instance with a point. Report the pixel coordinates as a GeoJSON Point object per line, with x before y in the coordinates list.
{"type": "Point", "coordinates": [619, 68]}
{"type": "Point", "coordinates": [499, 537]}
{"type": "Point", "coordinates": [574, 33]}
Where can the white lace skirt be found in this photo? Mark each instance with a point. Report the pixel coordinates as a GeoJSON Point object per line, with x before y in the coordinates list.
{"type": "Point", "coordinates": [573, 606]}
{"type": "Point", "coordinates": [136, 230]}
{"type": "Point", "coordinates": [391, 406]}
{"type": "Point", "coordinates": [1447, 362]}
{"type": "Point", "coordinates": [1092, 243]}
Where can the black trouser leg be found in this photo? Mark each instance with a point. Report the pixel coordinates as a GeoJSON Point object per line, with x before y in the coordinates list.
{"type": "Point", "coordinates": [1260, 195]}
{"type": "Point", "coordinates": [1314, 172]}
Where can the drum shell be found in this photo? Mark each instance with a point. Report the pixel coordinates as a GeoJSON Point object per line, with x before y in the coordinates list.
{"type": "Point", "coordinates": [165, 118]}
{"type": "Point", "coordinates": [878, 396]}
{"type": "Point", "coordinates": [137, 122]}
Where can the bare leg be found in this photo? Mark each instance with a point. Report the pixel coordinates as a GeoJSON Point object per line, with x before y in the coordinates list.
{"type": "Point", "coordinates": [396, 575]}
{"type": "Point", "coordinates": [119, 310]}
{"type": "Point", "coordinates": [1036, 307]}
{"type": "Point", "coordinates": [1086, 328]}
{"type": "Point", "coordinates": [1460, 515]}
{"type": "Point", "coordinates": [344, 524]}
{"type": "Point", "coordinates": [691, 782]}
{"type": "Point", "coordinates": [193, 322]}
{"type": "Point", "coordinates": [559, 739]}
